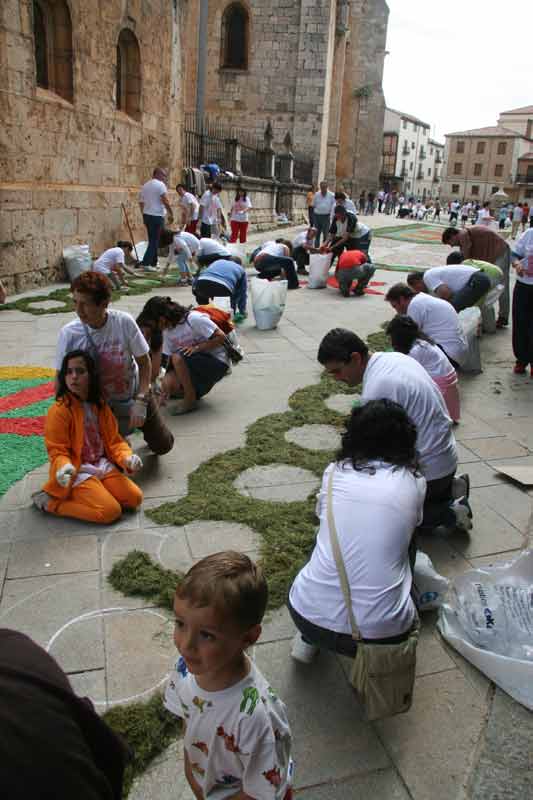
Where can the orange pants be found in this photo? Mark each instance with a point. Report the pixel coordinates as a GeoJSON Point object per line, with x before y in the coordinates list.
{"type": "Point", "coordinates": [99, 500]}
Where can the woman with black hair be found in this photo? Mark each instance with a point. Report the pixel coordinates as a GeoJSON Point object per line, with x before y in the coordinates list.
{"type": "Point", "coordinates": [407, 338]}
{"type": "Point", "coordinates": [194, 346]}
{"type": "Point", "coordinates": [239, 217]}
{"type": "Point", "coordinates": [377, 501]}
{"type": "Point", "coordinates": [87, 454]}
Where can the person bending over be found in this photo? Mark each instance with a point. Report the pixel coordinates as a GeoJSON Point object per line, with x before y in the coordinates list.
{"type": "Point", "coordinates": [274, 260]}
{"type": "Point", "coordinates": [237, 741]}
{"type": "Point", "coordinates": [194, 347]}
{"type": "Point", "coordinates": [353, 266]}
{"type": "Point", "coordinates": [112, 264]}
{"type": "Point", "coordinates": [87, 454]}
{"type": "Point", "coordinates": [223, 278]}
{"type": "Point", "coordinates": [462, 285]}
{"type": "Point", "coordinates": [377, 498]}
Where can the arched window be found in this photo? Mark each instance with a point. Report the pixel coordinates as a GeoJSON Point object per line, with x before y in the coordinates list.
{"type": "Point", "coordinates": [52, 35]}
{"type": "Point", "coordinates": [129, 74]}
{"type": "Point", "coordinates": [235, 37]}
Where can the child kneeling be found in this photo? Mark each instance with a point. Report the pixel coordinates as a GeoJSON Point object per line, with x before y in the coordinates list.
{"type": "Point", "coordinates": [237, 738]}
{"type": "Point", "coordinates": [85, 449]}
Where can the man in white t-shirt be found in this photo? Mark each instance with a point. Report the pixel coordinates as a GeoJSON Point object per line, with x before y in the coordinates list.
{"type": "Point", "coordinates": [121, 355]}
{"type": "Point", "coordinates": [323, 205]}
{"type": "Point", "coordinates": [274, 259]}
{"type": "Point", "coordinates": [435, 317]}
{"type": "Point", "coordinates": [462, 286]}
{"type": "Point", "coordinates": [190, 208]}
{"type": "Point", "coordinates": [397, 377]}
{"type": "Point", "coordinates": [211, 211]}
{"type": "Point", "coordinates": [154, 205]}
{"type": "Point", "coordinates": [210, 250]}
{"type": "Point", "coordinates": [112, 263]}
{"type": "Point", "coordinates": [302, 245]}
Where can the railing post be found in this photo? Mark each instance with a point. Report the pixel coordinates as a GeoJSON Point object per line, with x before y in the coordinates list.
{"type": "Point", "coordinates": [269, 163]}
{"type": "Point", "coordinates": [233, 156]}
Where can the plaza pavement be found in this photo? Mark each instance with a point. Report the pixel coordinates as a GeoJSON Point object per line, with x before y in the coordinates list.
{"type": "Point", "coordinates": [461, 739]}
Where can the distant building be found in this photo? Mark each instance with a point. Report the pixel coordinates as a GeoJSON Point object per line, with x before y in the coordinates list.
{"type": "Point", "coordinates": [411, 161]}
{"type": "Point", "coordinates": [481, 161]}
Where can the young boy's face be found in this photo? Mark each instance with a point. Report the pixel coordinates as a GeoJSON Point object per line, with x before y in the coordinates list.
{"type": "Point", "coordinates": [211, 646]}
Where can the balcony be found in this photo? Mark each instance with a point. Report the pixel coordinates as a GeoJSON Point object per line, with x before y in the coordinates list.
{"type": "Point", "coordinates": [405, 151]}
{"type": "Point", "coordinates": [403, 173]}
{"type": "Point", "coordinates": [438, 159]}
{"type": "Point", "coordinates": [526, 179]}
{"type": "Point", "coordinates": [420, 175]}
{"type": "Point", "coordinates": [436, 179]}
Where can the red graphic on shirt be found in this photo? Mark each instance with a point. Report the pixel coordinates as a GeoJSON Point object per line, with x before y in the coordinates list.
{"type": "Point", "coordinates": [114, 366]}
{"type": "Point", "coordinates": [273, 776]}
{"type": "Point", "coordinates": [229, 741]}
{"type": "Point", "coordinates": [202, 747]}
{"type": "Point", "coordinates": [93, 448]}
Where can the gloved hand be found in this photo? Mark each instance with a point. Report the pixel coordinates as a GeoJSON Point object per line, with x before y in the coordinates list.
{"type": "Point", "coordinates": [133, 464]}
{"type": "Point", "coordinates": [65, 475]}
{"type": "Point", "coordinates": [138, 413]}
{"type": "Point", "coordinates": [159, 380]}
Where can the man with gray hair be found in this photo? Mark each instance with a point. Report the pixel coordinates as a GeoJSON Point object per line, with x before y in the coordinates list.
{"type": "Point", "coordinates": [323, 205]}
{"type": "Point", "coordinates": [154, 205]}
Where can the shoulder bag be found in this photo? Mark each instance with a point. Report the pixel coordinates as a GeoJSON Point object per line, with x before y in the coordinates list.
{"type": "Point", "coordinates": [382, 674]}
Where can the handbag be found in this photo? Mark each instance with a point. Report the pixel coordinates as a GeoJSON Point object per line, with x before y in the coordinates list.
{"type": "Point", "coordinates": [382, 674]}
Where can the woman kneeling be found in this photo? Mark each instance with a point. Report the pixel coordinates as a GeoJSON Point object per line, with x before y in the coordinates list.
{"type": "Point", "coordinates": [194, 346]}
{"type": "Point", "coordinates": [377, 500]}
{"type": "Point", "coordinates": [86, 451]}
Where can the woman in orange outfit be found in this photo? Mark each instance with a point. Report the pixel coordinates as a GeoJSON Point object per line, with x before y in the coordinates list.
{"type": "Point", "coordinates": [85, 450]}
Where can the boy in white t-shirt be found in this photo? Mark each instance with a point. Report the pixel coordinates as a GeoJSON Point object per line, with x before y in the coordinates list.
{"type": "Point", "coordinates": [237, 738]}
{"type": "Point", "coordinates": [112, 264]}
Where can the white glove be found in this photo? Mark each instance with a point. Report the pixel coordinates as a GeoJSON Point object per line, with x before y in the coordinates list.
{"type": "Point", "coordinates": [133, 464]}
{"type": "Point", "coordinates": [65, 474]}
{"type": "Point", "coordinates": [138, 413]}
{"type": "Point", "coordinates": [159, 381]}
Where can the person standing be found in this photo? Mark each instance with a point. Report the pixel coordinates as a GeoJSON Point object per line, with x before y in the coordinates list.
{"type": "Point", "coordinates": [323, 205]}
{"type": "Point", "coordinates": [454, 211]}
{"type": "Point", "coordinates": [517, 219]}
{"type": "Point", "coordinates": [154, 205]}
{"type": "Point", "coordinates": [239, 217]}
{"type": "Point", "coordinates": [189, 208]}
{"type": "Point", "coordinates": [309, 201]}
{"type": "Point", "coordinates": [482, 244]}
{"type": "Point", "coordinates": [525, 216]}
{"type": "Point", "coordinates": [381, 198]}
{"type": "Point", "coordinates": [522, 257]}
{"type": "Point", "coordinates": [211, 211]}
{"type": "Point", "coordinates": [436, 211]}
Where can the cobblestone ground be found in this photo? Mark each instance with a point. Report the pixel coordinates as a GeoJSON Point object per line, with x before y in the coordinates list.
{"type": "Point", "coordinates": [462, 738]}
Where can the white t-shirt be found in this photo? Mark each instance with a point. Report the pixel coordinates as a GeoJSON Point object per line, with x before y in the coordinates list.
{"type": "Point", "coordinates": [431, 358]}
{"type": "Point", "coordinates": [375, 517]}
{"type": "Point", "coordinates": [210, 207]}
{"type": "Point", "coordinates": [300, 239]}
{"type": "Point", "coordinates": [455, 278]}
{"type": "Point", "coordinates": [210, 247]}
{"type": "Point", "coordinates": [483, 216]}
{"type": "Point", "coordinates": [239, 210]}
{"type": "Point", "coordinates": [517, 214]}
{"type": "Point", "coordinates": [192, 241]}
{"type": "Point", "coordinates": [151, 194]}
{"type": "Point", "coordinates": [524, 248]}
{"type": "Point", "coordinates": [323, 203]}
{"type": "Point", "coordinates": [108, 259]}
{"type": "Point", "coordinates": [400, 378]}
{"type": "Point", "coordinates": [439, 320]}
{"type": "Point", "coordinates": [237, 739]}
{"type": "Point", "coordinates": [455, 206]}
{"type": "Point", "coordinates": [179, 245]}
{"type": "Point", "coordinates": [191, 205]}
{"type": "Point", "coordinates": [273, 249]}
{"type": "Point", "coordinates": [118, 343]}
{"type": "Point", "coordinates": [195, 329]}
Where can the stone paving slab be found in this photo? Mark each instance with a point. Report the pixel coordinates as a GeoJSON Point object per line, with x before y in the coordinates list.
{"type": "Point", "coordinates": [277, 482]}
{"type": "Point", "coordinates": [165, 778]}
{"type": "Point", "coordinates": [480, 474]}
{"type": "Point", "coordinates": [314, 437]}
{"type": "Point", "coordinates": [53, 556]}
{"type": "Point", "coordinates": [206, 537]}
{"type": "Point", "coordinates": [343, 403]}
{"type": "Point", "coordinates": [80, 646]}
{"type": "Point", "coordinates": [501, 447]}
{"type": "Point", "coordinates": [384, 783]}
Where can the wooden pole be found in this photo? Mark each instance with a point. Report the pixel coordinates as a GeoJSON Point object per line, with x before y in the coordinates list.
{"type": "Point", "coordinates": [130, 231]}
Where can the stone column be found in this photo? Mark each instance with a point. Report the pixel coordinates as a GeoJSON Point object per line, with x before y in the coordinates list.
{"type": "Point", "coordinates": [335, 108]}
{"type": "Point", "coordinates": [269, 163]}
{"type": "Point", "coordinates": [287, 167]}
{"type": "Point", "coordinates": [233, 156]}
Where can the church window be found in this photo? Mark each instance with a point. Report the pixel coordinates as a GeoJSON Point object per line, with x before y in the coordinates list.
{"type": "Point", "coordinates": [235, 37]}
{"type": "Point", "coordinates": [52, 37]}
{"type": "Point", "coordinates": [128, 86]}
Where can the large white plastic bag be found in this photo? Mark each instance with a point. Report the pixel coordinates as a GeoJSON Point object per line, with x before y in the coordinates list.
{"type": "Point", "coordinates": [429, 587]}
{"type": "Point", "coordinates": [77, 258]}
{"type": "Point", "coordinates": [268, 302]}
{"type": "Point", "coordinates": [488, 618]}
{"type": "Point", "coordinates": [319, 264]}
{"type": "Point", "coordinates": [469, 319]}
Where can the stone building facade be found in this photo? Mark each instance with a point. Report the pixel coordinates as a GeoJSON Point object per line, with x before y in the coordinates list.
{"type": "Point", "coordinates": [93, 96]}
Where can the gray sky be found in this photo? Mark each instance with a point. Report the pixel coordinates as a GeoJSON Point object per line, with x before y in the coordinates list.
{"type": "Point", "coordinates": [477, 51]}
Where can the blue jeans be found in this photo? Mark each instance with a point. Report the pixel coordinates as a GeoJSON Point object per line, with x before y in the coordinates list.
{"type": "Point", "coordinates": [154, 226]}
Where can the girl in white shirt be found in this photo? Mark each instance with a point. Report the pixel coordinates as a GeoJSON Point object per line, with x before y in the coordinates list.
{"type": "Point", "coordinates": [239, 217]}
{"type": "Point", "coordinates": [407, 338]}
{"type": "Point", "coordinates": [377, 500]}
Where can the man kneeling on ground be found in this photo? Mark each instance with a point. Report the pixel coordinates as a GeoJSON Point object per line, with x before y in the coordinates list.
{"type": "Point", "coordinates": [353, 266]}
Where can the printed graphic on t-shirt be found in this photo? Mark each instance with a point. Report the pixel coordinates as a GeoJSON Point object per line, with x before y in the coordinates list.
{"type": "Point", "coordinates": [93, 447]}
{"type": "Point", "coordinates": [114, 368]}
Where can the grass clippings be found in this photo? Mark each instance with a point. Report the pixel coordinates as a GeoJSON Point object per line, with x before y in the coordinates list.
{"type": "Point", "coordinates": [137, 575]}
{"type": "Point", "coordinates": [148, 728]}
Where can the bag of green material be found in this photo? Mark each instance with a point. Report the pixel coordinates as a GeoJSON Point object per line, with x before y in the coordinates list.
{"type": "Point", "coordinates": [77, 258]}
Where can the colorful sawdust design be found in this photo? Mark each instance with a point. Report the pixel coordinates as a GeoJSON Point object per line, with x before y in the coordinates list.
{"type": "Point", "coordinates": [26, 394]}
{"type": "Point", "coordinates": [416, 233]}
{"type": "Point", "coordinates": [334, 284]}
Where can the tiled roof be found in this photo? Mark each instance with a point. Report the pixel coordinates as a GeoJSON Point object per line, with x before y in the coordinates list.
{"type": "Point", "coordinates": [526, 156]}
{"type": "Point", "coordinates": [491, 130]}
{"type": "Point", "coordinates": [434, 142]}
{"type": "Point", "coordinates": [523, 110]}
{"type": "Point", "coordinates": [409, 117]}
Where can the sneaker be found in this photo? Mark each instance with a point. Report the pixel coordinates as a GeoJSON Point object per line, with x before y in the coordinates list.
{"type": "Point", "coordinates": [40, 500]}
{"type": "Point", "coordinates": [501, 322]}
{"type": "Point", "coordinates": [344, 289]}
{"type": "Point", "coordinates": [519, 368]}
{"type": "Point", "coordinates": [461, 486]}
{"type": "Point", "coordinates": [303, 651]}
{"type": "Point", "coordinates": [150, 269]}
{"type": "Point", "coordinates": [463, 515]}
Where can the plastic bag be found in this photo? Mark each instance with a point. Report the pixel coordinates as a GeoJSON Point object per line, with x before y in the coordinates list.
{"type": "Point", "coordinates": [429, 587]}
{"type": "Point", "coordinates": [488, 618]}
{"type": "Point", "coordinates": [141, 248]}
{"type": "Point", "coordinates": [268, 302]}
{"type": "Point", "coordinates": [77, 258]}
{"type": "Point", "coordinates": [470, 319]}
{"type": "Point", "coordinates": [319, 264]}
